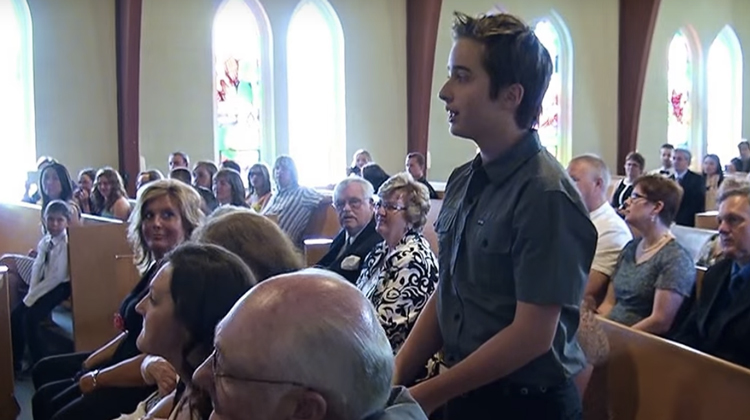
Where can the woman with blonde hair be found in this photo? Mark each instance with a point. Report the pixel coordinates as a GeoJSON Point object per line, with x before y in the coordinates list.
{"type": "Point", "coordinates": [361, 158]}
{"type": "Point", "coordinates": [110, 197]}
{"type": "Point", "coordinates": [107, 382]}
{"type": "Point", "coordinates": [401, 273]}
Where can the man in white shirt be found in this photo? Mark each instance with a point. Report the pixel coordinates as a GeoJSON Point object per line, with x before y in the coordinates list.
{"type": "Point", "coordinates": [592, 177]}
{"type": "Point", "coordinates": [667, 157]}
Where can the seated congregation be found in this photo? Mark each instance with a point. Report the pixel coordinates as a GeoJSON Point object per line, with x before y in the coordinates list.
{"type": "Point", "coordinates": [523, 289]}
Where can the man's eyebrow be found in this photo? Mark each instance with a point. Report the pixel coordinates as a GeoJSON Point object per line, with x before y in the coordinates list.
{"type": "Point", "coordinates": [459, 67]}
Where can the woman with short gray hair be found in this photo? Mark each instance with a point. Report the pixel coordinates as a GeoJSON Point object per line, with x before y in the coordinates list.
{"type": "Point", "coordinates": [401, 273]}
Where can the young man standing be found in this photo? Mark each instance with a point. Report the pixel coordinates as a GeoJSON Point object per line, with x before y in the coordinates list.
{"type": "Point", "coordinates": [516, 244]}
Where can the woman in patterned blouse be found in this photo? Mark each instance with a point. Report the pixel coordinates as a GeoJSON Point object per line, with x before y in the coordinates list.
{"type": "Point", "coordinates": [401, 273]}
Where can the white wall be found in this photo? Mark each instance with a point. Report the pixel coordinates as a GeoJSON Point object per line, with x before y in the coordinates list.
{"type": "Point", "coordinates": [75, 81]}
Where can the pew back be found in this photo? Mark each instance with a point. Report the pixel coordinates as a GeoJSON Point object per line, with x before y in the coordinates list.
{"type": "Point", "coordinates": [649, 378]}
{"type": "Point", "coordinates": [693, 239]}
{"type": "Point", "coordinates": [20, 227]}
{"type": "Point", "coordinates": [93, 273]}
{"type": "Point", "coordinates": [8, 406]}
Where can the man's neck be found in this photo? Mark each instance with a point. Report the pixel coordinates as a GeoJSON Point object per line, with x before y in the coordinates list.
{"type": "Point", "coordinates": [596, 205]}
{"type": "Point", "coordinates": [492, 147]}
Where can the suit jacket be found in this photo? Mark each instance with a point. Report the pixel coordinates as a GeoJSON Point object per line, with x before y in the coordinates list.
{"type": "Point", "coordinates": [363, 244]}
{"type": "Point", "coordinates": [693, 198]}
{"type": "Point", "coordinates": [710, 327]}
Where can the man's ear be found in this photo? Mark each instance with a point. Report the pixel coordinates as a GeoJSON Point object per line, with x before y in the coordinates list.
{"type": "Point", "coordinates": [512, 95]}
{"type": "Point", "coordinates": [310, 406]}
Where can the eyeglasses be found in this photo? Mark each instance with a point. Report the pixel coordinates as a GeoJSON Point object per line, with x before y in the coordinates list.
{"type": "Point", "coordinates": [634, 196]}
{"type": "Point", "coordinates": [354, 204]}
{"type": "Point", "coordinates": [215, 371]}
{"type": "Point", "coordinates": [388, 206]}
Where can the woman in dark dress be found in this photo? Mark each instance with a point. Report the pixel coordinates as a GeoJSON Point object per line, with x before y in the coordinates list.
{"type": "Point", "coordinates": [107, 382]}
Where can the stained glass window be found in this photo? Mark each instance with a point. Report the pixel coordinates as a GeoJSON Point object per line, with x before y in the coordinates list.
{"type": "Point", "coordinates": [17, 98]}
{"type": "Point", "coordinates": [317, 119]}
{"type": "Point", "coordinates": [239, 58]}
{"type": "Point", "coordinates": [724, 95]}
{"type": "Point", "coordinates": [680, 84]}
{"type": "Point", "coordinates": [549, 120]}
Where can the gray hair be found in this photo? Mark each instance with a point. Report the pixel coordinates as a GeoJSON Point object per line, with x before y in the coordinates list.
{"type": "Point", "coordinates": [357, 381]}
{"type": "Point", "coordinates": [598, 165]}
{"type": "Point", "coordinates": [367, 188]}
{"type": "Point", "coordinates": [416, 197]}
{"type": "Point", "coordinates": [685, 152]}
{"type": "Point", "coordinates": [732, 187]}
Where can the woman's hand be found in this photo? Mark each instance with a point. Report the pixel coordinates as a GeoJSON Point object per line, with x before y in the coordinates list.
{"type": "Point", "coordinates": [87, 384]}
{"type": "Point", "coordinates": [156, 370]}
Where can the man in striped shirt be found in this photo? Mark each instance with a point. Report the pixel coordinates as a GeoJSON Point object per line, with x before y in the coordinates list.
{"type": "Point", "coordinates": [292, 203]}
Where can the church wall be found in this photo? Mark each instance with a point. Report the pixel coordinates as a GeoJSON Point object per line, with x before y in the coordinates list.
{"type": "Point", "coordinates": [75, 81]}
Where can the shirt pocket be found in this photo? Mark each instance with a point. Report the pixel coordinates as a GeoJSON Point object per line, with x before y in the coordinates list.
{"type": "Point", "coordinates": [445, 226]}
{"type": "Point", "coordinates": [494, 268]}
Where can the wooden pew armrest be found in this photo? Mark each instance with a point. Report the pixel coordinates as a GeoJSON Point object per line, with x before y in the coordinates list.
{"type": "Point", "coordinates": [315, 249]}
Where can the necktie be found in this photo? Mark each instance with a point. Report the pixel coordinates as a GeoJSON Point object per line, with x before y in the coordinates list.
{"type": "Point", "coordinates": [45, 259]}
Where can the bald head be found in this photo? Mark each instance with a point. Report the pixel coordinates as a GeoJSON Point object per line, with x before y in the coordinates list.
{"type": "Point", "coordinates": [286, 329]}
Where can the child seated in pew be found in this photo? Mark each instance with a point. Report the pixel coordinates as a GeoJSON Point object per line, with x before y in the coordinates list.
{"type": "Point", "coordinates": [49, 285]}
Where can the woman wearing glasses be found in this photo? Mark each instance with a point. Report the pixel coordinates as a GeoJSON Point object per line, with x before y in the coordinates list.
{"type": "Point", "coordinates": [401, 273]}
{"type": "Point", "coordinates": [654, 273]}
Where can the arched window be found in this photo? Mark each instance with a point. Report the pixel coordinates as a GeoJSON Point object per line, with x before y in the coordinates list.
{"type": "Point", "coordinates": [680, 92]}
{"type": "Point", "coordinates": [17, 128]}
{"type": "Point", "coordinates": [243, 125]}
{"type": "Point", "coordinates": [317, 118]}
{"type": "Point", "coordinates": [554, 122]}
{"type": "Point", "coordinates": [724, 95]}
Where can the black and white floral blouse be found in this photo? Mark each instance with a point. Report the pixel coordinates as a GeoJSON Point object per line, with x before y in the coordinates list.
{"type": "Point", "coordinates": [399, 283]}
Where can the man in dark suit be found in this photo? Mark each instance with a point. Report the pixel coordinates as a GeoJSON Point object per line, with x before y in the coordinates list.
{"type": "Point", "coordinates": [353, 201]}
{"type": "Point", "coordinates": [718, 322]}
{"type": "Point", "coordinates": [693, 187]}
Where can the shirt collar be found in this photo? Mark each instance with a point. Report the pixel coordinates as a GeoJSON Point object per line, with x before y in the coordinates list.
{"type": "Point", "coordinates": [599, 210]}
{"type": "Point", "coordinates": [500, 169]}
{"type": "Point", "coordinates": [743, 272]}
{"type": "Point", "coordinates": [680, 175]}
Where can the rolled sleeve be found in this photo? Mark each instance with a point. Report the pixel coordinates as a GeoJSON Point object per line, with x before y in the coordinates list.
{"type": "Point", "coordinates": [553, 251]}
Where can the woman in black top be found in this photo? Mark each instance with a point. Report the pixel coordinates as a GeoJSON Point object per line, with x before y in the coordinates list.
{"type": "Point", "coordinates": [634, 164]}
{"type": "Point", "coordinates": [108, 382]}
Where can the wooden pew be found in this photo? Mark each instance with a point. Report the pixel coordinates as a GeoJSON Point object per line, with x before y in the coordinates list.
{"type": "Point", "coordinates": [93, 273]}
{"type": "Point", "coordinates": [693, 239]}
{"type": "Point", "coordinates": [324, 222]}
{"type": "Point", "coordinates": [20, 227]}
{"type": "Point", "coordinates": [707, 220]}
{"type": "Point", "coordinates": [9, 408]}
{"type": "Point", "coordinates": [649, 378]}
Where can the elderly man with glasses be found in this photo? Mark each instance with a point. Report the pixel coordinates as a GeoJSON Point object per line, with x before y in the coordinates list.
{"type": "Point", "coordinates": [353, 200]}
{"type": "Point", "coordinates": [305, 345]}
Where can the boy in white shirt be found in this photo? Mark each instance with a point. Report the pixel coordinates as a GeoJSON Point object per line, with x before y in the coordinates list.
{"type": "Point", "coordinates": [49, 285]}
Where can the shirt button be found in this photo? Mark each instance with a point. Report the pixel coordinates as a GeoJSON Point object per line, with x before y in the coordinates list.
{"type": "Point", "coordinates": [456, 317]}
{"type": "Point", "coordinates": [484, 243]}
